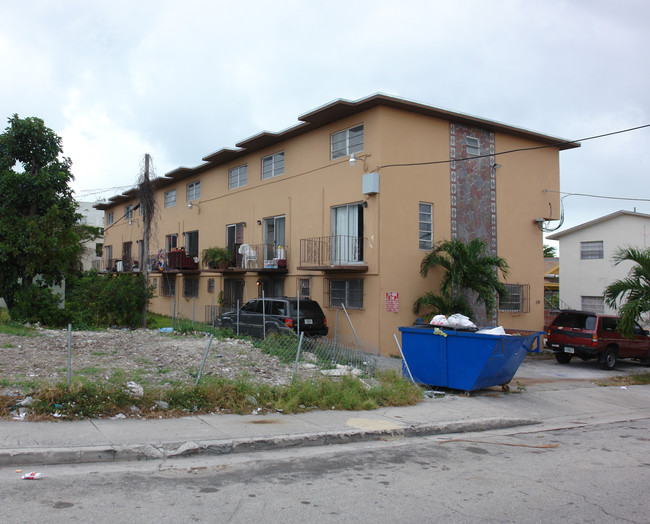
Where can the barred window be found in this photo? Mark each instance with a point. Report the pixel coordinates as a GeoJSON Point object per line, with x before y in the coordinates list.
{"type": "Point", "coordinates": [304, 287]}
{"type": "Point", "coordinates": [518, 299]}
{"type": "Point", "coordinates": [190, 287]}
{"type": "Point", "coordinates": [168, 286]}
{"type": "Point", "coordinates": [426, 226]}
{"type": "Point", "coordinates": [591, 250]}
{"type": "Point", "coordinates": [273, 165]}
{"type": "Point", "coordinates": [347, 141]}
{"type": "Point", "coordinates": [593, 304]}
{"type": "Point", "coordinates": [348, 292]}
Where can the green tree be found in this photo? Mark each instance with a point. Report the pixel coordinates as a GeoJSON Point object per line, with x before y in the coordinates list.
{"type": "Point", "coordinates": [39, 234]}
{"type": "Point", "coordinates": [549, 251]}
{"type": "Point", "coordinates": [631, 295]}
{"type": "Point", "coordinates": [470, 279]}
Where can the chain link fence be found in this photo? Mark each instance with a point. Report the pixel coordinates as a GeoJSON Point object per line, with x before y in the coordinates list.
{"type": "Point", "coordinates": [339, 354]}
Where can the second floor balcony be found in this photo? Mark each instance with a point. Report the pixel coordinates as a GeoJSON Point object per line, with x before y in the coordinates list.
{"type": "Point", "coordinates": [332, 253]}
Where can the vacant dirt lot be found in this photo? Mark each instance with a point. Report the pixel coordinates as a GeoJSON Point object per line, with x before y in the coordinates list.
{"type": "Point", "coordinates": [145, 356]}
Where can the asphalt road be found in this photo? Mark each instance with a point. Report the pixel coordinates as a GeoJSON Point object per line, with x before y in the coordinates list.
{"type": "Point", "coordinates": [590, 474]}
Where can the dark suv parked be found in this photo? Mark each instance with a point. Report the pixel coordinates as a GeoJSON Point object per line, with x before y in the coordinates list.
{"type": "Point", "coordinates": [591, 335]}
{"type": "Point", "coordinates": [260, 317]}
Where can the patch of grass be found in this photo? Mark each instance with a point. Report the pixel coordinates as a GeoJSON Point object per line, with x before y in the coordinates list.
{"type": "Point", "coordinates": [636, 379]}
{"type": "Point", "coordinates": [85, 398]}
{"type": "Point", "coordinates": [7, 346]}
{"type": "Point", "coordinates": [90, 370]}
{"type": "Point", "coordinates": [284, 346]}
{"type": "Point", "coordinates": [17, 329]}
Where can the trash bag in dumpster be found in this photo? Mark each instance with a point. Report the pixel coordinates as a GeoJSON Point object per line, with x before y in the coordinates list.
{"type": "Point", "coordinates": [464, 360]}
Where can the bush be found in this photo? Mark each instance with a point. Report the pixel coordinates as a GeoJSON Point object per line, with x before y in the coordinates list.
{"type": "Point", "coordinates": [108, 300]}
{"type": "Point", "coordinates": [38, 303]}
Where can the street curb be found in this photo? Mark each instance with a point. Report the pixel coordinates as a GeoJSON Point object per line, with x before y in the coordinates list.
{"type": "Point", "coordinates": [138, 452]}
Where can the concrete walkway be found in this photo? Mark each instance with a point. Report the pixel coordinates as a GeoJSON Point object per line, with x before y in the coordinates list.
{"type": "Point", "coordinates": [551, 396]}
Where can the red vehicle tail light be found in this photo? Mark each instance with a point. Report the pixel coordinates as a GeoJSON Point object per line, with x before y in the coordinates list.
{"type": "Point", "coordinates": [288, 322]}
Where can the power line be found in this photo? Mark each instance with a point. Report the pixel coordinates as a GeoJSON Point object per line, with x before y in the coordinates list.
{"type": "Point", "coordinates": [518, 150]}
{"type": "Point", "coordinates": [598, 196]}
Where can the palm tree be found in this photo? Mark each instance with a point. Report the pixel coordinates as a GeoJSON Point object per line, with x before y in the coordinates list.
{"type": "Point", "coordinates": [469, 271]}
{"type": "Point", "coordinates": [631, 295]}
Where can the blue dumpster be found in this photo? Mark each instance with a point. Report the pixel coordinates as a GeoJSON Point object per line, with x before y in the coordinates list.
{"type": "Point", "coordinates": [464, 360]}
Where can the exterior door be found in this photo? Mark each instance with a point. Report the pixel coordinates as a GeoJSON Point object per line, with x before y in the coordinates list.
{"type": "Point", "coordinates": [274, 235]}
{"type": "Point", "coordinates": [234, 239]}
{"type": "Point", "coordinates": [347, 234]}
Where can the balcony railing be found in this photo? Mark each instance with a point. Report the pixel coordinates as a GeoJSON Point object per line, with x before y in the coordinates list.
{"type": "Point", "coordinates": [260, 256]}
{"type": "Point", "coordinates": [123, 264]}
{"type": "Point", "coordinates": [332, 252]}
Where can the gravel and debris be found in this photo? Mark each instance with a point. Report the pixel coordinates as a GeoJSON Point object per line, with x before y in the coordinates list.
{"type": "Point", "coordinates": [143, 355]}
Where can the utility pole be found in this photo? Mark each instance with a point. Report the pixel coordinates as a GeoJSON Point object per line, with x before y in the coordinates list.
{"type": "Point", "coordinates": [147, 208]}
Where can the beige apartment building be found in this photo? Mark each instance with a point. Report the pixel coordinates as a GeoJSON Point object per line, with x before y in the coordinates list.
{"type": "Point", "coordinates": [342, 208]}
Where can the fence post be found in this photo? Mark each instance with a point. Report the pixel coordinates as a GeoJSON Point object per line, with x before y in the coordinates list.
{"type": "Point", "coordinates": [354, 331]}
{"type": "Point", "coordinates": [295, 366]}
{"type": "Point", "coordinates": [205, 356]}
{"type": "Point", "coordinates": [69, 352]}
{"type": "Point", "coordinates": [238, 316]}
{"type": "Point", "coordinates": [263, 316]}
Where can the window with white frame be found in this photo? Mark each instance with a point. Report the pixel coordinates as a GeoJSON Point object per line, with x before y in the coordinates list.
{"type": "Point", "coordinates": [304, 287]}
{"type": "Point", "coordinates": [171, 242]}
{"type": "Point", "coordinates": [192, 244]}
{"type": "Point", "coordinates": [426, 226]}
{"type": "Point", "coordinates": [193, 190]}
{"type": "Point", "coordinates": [272, 165]}
{"type": "Point", "coordinates": [109, 218]}
{"type": "Point", "coordinates": [593, 304]}
{"type": "Point", "coordinates": [472, 146]}
{"type": "Point", "coordinates": [347, 141]}
{"type": "Point", "coordinates": [170, 198]}
{"type": "Point", "coordinates": [591, 250]}
{"type": "Point", "coordinates": [515, 299]}
{"type": "Point", "coordinates": [348, 292]}
{"type": "Point", "coordinates": [237, 177]}
{"type": "Point", "coordinates": [128, 212]}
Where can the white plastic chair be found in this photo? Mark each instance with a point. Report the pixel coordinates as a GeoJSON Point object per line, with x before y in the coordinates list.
{"type": "Point", "coordinates": [248, 254]}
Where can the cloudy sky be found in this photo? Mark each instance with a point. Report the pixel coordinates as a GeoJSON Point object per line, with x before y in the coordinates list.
{"type": "Point", "coordinates": [180, 80]}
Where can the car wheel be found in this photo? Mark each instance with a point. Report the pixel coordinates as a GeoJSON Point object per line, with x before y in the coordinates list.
{"type": "Point", "coordinates": [608, 358]}
{"type": "Point", "coordinates": [563, 358]}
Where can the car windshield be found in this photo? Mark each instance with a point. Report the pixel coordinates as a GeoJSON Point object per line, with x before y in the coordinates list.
{"type": "Point", "coordinates": [576, 320]}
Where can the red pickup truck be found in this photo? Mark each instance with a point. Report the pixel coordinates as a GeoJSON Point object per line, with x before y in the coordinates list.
{"type": "Point", "coordinates": [591, 335]}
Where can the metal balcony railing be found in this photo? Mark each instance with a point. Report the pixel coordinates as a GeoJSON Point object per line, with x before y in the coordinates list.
{"type": "Point", "coordinates": [260, 256]}
{"type": "Point", "coordinates": [331, 251]}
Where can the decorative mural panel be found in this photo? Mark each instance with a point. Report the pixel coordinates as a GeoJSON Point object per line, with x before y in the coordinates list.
{"type": "Point", "coordinates": [472, 185]}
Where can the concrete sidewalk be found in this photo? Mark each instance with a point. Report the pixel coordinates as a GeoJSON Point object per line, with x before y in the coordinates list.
{"type": "Point", "coordinates": [550, 403]}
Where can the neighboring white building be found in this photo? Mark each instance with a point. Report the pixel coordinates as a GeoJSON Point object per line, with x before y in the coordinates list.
{"type": "Point", "coordinates": [586, 253]}
{"type": "Point", "coordinates": [92, 255]}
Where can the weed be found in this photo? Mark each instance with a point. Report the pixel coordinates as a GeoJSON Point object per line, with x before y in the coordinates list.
{"type": "Point", "coordinates": [635, 379]}
{"type": "Point", "coordinates": [90, 370]}
{"type": "Point", "coordinates": [7, 346]}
